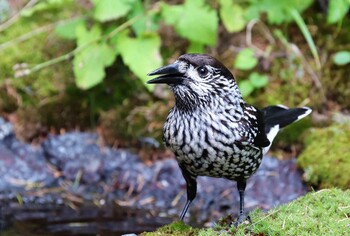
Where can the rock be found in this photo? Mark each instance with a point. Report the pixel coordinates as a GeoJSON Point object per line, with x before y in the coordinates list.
{"type": "Point", "coordinates": [21, 165]}
{"type": "Point", "coordinates": [6, 129]}
{"type": "Point", "coordinates": [75, 154]}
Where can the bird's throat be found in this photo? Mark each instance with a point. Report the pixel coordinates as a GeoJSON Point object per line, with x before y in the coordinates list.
{"type": "Point", "coordinates": [187, 103]}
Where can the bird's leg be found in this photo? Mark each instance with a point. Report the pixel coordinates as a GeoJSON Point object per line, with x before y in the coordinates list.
{"type": "Point", "coordinates": [241, 184]}
{"type": "Point", "coordinates": [191, 184]}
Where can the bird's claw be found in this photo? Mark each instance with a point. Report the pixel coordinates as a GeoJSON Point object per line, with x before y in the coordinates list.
{"type": "Point", "coordinates": [241, 219]}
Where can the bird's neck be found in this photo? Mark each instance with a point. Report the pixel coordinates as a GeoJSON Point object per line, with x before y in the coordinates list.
{"type": "Point", "coordinates": [188, 103]}
{"type": "Point", "coordinates": [218, 103]}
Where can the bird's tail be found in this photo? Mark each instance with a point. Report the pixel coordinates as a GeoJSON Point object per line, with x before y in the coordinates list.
{"type": "Point", "coordinates": [277, 117]}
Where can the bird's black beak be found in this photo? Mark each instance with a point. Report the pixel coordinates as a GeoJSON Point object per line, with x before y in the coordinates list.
{"type": "Point", "coordinates": [170, 74]}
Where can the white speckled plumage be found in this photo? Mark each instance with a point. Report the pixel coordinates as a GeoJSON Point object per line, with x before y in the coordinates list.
{"type": "Point", "coordinates": [211, 130]}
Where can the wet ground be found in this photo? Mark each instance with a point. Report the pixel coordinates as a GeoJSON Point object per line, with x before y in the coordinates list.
{"type": "Point", "coordinates": [71, 185]}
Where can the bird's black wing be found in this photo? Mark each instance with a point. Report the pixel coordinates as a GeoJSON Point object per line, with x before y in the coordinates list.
{"type": "Point", "coordinates": [282, 116]}
{"type": "Point", "coordinates": [261, 139]}
{"type": "Point", "coordinates": [252, 126]}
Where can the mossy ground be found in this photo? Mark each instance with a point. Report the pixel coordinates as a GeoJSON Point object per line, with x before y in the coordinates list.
{"type": "Point", "coordinates": [326, 212]}
{"type": "Point", "coordinates": [38, 48]}
{"type": "Point", "coordinates": [176, 228]}
{"type": "Point", "coordinates": [32, 92]}
{"type": "Point", "coordinates": [326, 157]}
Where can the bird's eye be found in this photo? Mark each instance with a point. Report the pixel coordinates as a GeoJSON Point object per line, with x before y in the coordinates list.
{"type": "Point", "coordinates": [202, 71]}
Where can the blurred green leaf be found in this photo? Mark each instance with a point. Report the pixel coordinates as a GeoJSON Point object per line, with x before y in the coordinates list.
{"type": "Point", "coordinates": [146, 23]}
{"type": "Point", "coordinates": [337, 9]}
{"type": "Point", "coordinates": [342, 58]}
{"type": "Point", "coordinates": [195, 47]}
{"type": "Point", "coordinates": [193, 20]}
{"type": "Point", "coordinates": [232, 16]}
{"type": "Point", "coordinates": [89, 64]}
{"type": "Point", "coordinates": [85, 36]}
{"type": "Point", "coordinates": [44, 5]}
{"type": "Point", "coordinates": [67, 30]}
{"type": "Point", "coordinates": [245, 60]}
{"type": "Point", "coordinates": [277, 11]}
{"type": "Point", "coordinates": [246, 87]}
{"type": "Point", "coordinates": [106, 10]}
{"type": "Point", "coordinates": [306, 33]}
{"type": "Point", "coordinates": [171, 14]}
{"type": "Point", "coordinates": [141, 54]}
{"type": "Point", "coordinates": [258, 80]}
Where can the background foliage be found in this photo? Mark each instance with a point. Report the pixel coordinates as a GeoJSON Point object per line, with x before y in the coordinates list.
{"type": "Point", "coordinates": [83, 64]}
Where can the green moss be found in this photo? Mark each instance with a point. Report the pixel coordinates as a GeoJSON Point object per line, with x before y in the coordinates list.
{"type": "Point", "coordinates": [176, 228]}
{"type": "Point", "coordinates": [38, 48]}
{"type": "Point", "coordinates": [292, 134]}
{"type": "Point", "coordinates": [326, 158]}
{"type": "Point", "coordinates": [319, 213]}
{"type": "Point", "coordinates": [289, 83]}
{"type": "Point", "coordinates": [326, 212]}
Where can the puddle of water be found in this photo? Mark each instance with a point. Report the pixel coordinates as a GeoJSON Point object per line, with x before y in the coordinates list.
{"type": "Point", "coordinates": [86, 220]}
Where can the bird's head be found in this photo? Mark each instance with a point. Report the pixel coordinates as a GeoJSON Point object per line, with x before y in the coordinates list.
{"type": "Point", "coordinates": [197, 79]}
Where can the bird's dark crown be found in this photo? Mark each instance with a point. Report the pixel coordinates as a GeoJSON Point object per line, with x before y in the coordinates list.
{"type": "Point", "coordinates": [198, 60]}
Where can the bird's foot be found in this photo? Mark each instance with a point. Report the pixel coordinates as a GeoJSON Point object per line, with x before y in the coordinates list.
{"type": "Point", "coordinates": [242, 219]}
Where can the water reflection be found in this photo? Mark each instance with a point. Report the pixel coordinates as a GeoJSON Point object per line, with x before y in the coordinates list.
{"type": "Point", "coordinates": [61, 220]}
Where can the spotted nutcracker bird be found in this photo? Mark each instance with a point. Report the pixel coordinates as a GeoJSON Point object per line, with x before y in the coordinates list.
{"type": "Point", "coordinates": [211, 130]}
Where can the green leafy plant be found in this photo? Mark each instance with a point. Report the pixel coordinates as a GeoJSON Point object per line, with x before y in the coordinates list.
{"type": "Point", "coordinates": [129, 29]}
{"type": "Point", "coordinates": [277, 11]}
{"type": "Point", "coordinates": [302, 26]}
{"type": "Point", "coordinates": [89, 64]}
{"type": "Point", "coordinates": [137, 53]}
{"type": "Point", "coordinates": [107, 10]}
{"type": "Point", "coordinates": [254, 81]}
{"type": "Point", "coordinates": [337, 10]}
{"type": "Point", "coordinates": [246, 61]}
{"type": "Point", "coordinates": [232, 16]}
{"type": "Point", "coordinates": [194, 20]}
{"type": "Point", "coordinates": [341, 58]}
{"type": "Point", "coordinates": [98, 46]}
